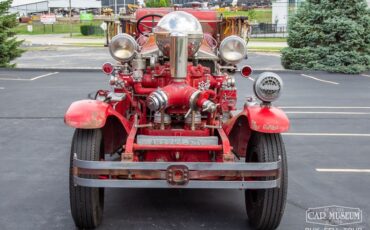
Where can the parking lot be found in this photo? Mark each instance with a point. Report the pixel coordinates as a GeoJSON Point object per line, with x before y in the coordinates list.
{"type": "Point", "coordinates": [328, 149]}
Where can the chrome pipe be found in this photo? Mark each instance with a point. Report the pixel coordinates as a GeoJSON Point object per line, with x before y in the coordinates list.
{"type": "Point", "coordinates": [157, 100]}
{"type": "Point", "coordinates": [178, 55]}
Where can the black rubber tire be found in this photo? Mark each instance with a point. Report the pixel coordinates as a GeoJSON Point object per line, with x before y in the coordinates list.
{"type": "Point", "coordinates": [87, 204]}
{"type": "Point", "coordinates": [265, 207]}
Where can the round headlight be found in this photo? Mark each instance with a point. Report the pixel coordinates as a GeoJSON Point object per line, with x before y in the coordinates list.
{"type": "Point", "coordinates": [268, 86]}
{"type": "Point", "coordinates": [123, 47]}
{"type": "Point", "coordinates": [233, 49]}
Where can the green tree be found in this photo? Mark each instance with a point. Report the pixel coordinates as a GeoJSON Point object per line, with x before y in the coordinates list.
{"type": "Point", "coordinates": [330, 35]}
{"type": "Point", "coordinates": [157, 3]}
{"type": "Point", "coordinates": [9, 46]}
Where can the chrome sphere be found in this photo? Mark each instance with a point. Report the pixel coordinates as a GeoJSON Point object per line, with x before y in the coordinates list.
{"type": "Point", "coordinates": [178, 21]}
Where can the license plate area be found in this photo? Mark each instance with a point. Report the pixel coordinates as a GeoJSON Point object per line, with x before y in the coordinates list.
{"type": "Point", "coordinates": [177, 175]}
{"type": "Point", "coordinates": [176, 140]}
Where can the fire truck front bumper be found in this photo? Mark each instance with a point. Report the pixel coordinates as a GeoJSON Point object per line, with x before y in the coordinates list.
{"type": "Point", "coordinates": [193, 175]}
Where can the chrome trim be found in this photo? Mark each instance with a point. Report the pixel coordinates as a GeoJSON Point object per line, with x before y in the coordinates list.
{"type": "Point", "coordinates": [197, 166]}
{"type": "Point", "coordinates": [123, 42]}
{"type": "Point", "coordinates": [209, 106]}
{"type": "Point", "coordinates": [233, 49]}
{"type": "Point", "coordinates": [268, 86]}
{"type": "Point", "coordinates": [178, 55]}
{"type": "Point", "coordinates": [193, 100]}
{"type": "Point", "coordinates": [198, 184]}
{"type": "Point", "coordinates": [157, 100]}
{"type": "Point", "coordinates": [176, 140]}
{"type": "Point", "coordinates": [138, 63]}
{"type": "Point", "coordinates": [158, 118]}
{"type": "Point", "coordinates": [194, 117]}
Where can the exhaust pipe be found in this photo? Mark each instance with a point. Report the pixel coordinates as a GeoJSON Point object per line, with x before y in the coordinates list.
{"type": "Point", "coordinates": [178, 56]}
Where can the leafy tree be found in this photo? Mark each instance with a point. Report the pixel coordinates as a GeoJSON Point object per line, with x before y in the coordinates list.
{"type": "Point", "coordinates": [157, 3]}
{"type": "Point", "coordinates": [330, 35]}
{"type": "Point", "coordinates": [252, 15]}
{"type": "Point", "coordinates": [9, 46]}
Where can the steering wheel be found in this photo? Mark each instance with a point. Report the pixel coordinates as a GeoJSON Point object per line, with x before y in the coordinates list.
{"type": "Point", "coordinates": [140, 24]}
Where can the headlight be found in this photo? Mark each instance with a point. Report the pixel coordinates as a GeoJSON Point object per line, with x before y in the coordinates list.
{"type": "Point", "coordinates": [268, 86]}
{"type": "Point", "coordinates": [123, 47]}
{"type": "Point", "coordinates": [233, 49]}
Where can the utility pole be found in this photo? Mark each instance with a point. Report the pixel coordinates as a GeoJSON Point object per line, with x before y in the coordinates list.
{"type": "Point", "coordinates": [115, 8]}
{"type": "Point", "coordinates": [70, 18]}
{"type": "Point", "coordinates": [124, 5]}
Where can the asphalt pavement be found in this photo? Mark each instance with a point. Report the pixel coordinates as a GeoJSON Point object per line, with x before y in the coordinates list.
{"type": "Point", "coordinates": [328, 149]}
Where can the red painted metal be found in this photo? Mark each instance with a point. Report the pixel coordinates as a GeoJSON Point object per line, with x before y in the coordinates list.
{"type": "Point", "coordinates": [176, 132]}
{"type": "Point", "coordinates": [264, 119]}
{"type": "Point", "coordinates": [139, 89]}
{"type": "Point", "coordinates": [121, 121]}
{"type": "Point", "coordinates": [178, 93]}
{"type": "Point", "coordinates": [91, 114]}
{"type": "Point", "coordinates": [227, 155]}
{"type": "Point", "coordinates": [267, 119]}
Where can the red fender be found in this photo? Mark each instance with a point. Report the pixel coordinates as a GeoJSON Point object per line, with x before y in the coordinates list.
{"type": "Point", "coordinates": [262, 119]}
{"type": "Point", "coordinates": [267, 119]}
{"type": "Point", "coordinates": [91, 114]}
{"type": "Point", "coordinates": [254, 118]}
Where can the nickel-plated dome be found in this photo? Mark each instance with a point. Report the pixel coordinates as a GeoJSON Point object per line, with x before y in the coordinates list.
{"type": "Point", "coordinates": [179, 21]}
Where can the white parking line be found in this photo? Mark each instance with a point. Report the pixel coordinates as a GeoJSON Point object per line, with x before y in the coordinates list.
{"type": "Point", "coordinates": [324, 107]}
{"type": "Point", "coordinates": [338, 113]}
{"type": "Point", "coordinates": [318, 79]}
{"type": "Point", "coordinates": [329, 134]}
{"type": "Point", "coordinates": [32, 79]}
{"type": "Point", "coordinates": [41, 76]}
{"type": "Point", "coordinates": [344, 170]}
{"type": "Point", "coordinates": [2, 88]}
{"type": "Point", "coordinates": [365, 75]}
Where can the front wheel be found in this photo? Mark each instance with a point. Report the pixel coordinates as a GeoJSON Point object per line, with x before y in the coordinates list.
{"type": "Point", "coordinates": [86, 203]}
{"type": "Point", "coordinates": [265, 207]}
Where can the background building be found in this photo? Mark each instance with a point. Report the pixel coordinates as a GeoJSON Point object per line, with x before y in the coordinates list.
{"type": "Point", "coordinates": [120, 3]}
{"type": "Point", "coordinates": [250, 3]}
{"type": "Point", "coordinates": [25, 7]}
